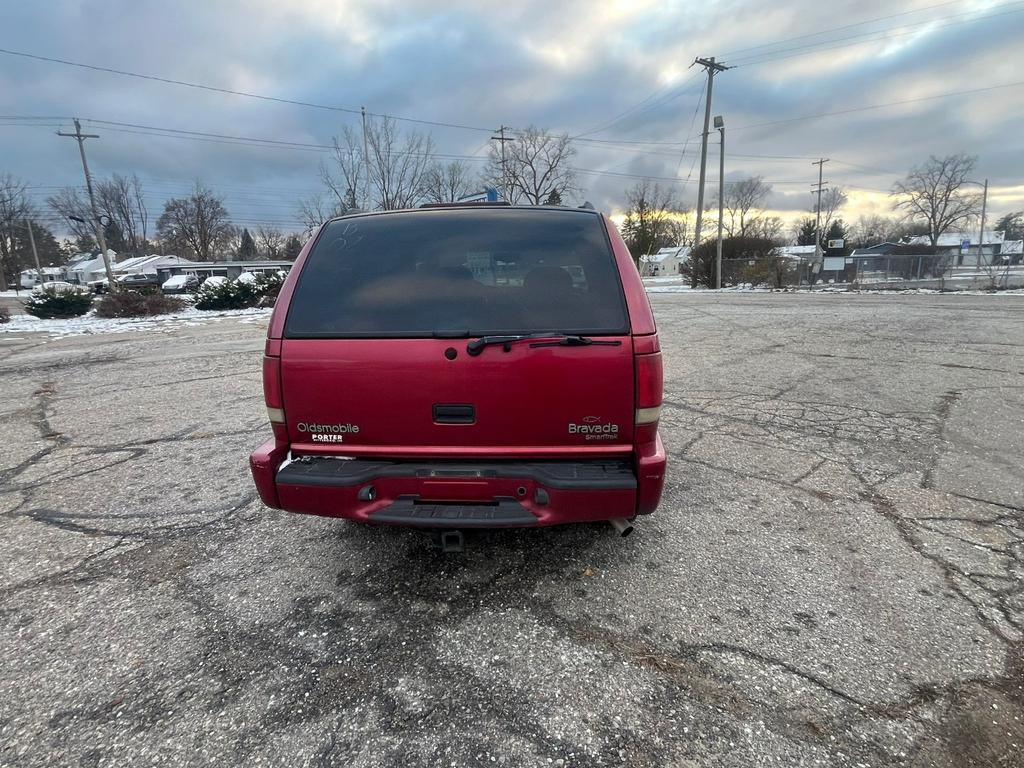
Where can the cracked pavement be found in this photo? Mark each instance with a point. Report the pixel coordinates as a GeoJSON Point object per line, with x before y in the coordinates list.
{"type": "Point", "coordinates": [834, 577]}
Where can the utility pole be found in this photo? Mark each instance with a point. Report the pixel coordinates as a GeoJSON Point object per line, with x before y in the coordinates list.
{"type": "Point", "coordinates": [711, 67]}
{"type": "Point", "coordinates": [981, 235]}
{"type": "Point", "coordinates": [100, 239]}
{"type": "Point", "coordinates": [501, 139]}
{"type": "Point", "coordinates": [35, 253]}
{"type": "Point", "coordinates": [720, 125]}
{"type": "Point", "coordinates": [817, 209]}
{"type": "Point", "coordinates": [366, 163]}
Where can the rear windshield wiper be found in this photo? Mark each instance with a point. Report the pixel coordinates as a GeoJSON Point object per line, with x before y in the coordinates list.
{"type": "Point", "coordinates": [477, 346]}
{"type": "Point", "coordinates": [576, 341]}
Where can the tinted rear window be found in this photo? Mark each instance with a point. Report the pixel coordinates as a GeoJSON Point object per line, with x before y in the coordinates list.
{"type": "Point", "coordinates": [471, 270]}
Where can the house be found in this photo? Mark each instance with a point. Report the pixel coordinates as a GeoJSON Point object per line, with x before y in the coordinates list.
{"type": "Point", "coordinates": [796, 252]}
{"type": "Point", "coordinates": [962, 247]}
{"type": "Point", "coordinates": [29, 278]}
{"type": "Point", "coordinates": [154, 264]}
{"type": "Point", "coordinates": [87, 267]}
{"type": "Point", "coordinates": [665, 262]}
{"type": "Point", "coordinates": [1012, 251]}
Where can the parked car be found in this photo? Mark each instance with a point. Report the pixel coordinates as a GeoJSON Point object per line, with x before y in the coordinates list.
{"type": "Point", "coordinates": [180, 284]}
{"type": "Point", "coordinates": [476, 366]}
{"type": "Point", "coordinates": [57, 286]}
{"type": "Point", "coordinates": [98, 286]}
{"type": "Point", "coordinates": [213, 281]}
{"type": "Point", "coordinates": [139, 280]}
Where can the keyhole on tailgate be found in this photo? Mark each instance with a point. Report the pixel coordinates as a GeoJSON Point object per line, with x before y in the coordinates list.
{"type": "Point", "coordinates": [451, 353]}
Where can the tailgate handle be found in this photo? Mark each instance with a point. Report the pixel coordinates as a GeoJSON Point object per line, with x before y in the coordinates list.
{"type": "Point", "coordinates": [454, 413]}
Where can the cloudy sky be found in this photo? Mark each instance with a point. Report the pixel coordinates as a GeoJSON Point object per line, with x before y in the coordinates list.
{"type": "Point", "coordinates": [615, 74]}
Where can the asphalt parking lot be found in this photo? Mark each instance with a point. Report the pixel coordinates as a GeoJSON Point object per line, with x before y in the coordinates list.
{"type": "Point", "coordinates": [834, 578]}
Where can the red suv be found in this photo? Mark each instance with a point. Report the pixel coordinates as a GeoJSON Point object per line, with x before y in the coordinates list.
{"type": "Point", "coordinates": [463, 367]}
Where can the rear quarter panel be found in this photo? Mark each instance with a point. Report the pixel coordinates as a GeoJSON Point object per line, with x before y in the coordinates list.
{"type": "Point", "coordinates": [641, 317]}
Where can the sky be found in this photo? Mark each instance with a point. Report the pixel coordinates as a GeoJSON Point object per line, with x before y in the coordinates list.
{"type": "Point", "coordinates": [615, 75]}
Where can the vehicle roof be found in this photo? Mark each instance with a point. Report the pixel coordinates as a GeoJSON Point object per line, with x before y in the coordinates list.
{"type": "Point", "coordinates": [466, 207]}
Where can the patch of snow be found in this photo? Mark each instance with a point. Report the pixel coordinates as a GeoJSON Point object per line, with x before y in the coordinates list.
{"type": "Point", "coordinates": [90, 324]}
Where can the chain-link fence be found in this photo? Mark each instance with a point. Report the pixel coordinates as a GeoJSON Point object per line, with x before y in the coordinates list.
{"type": "Point", "coordinates": [940, 271]}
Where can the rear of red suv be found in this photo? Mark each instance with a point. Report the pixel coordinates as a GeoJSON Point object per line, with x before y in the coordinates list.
{"type": "Point", "coordinates": [463, 367]}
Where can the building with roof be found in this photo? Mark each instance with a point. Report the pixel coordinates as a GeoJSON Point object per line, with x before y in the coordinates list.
{"type": "Point", "coordinates": [30, 278]}
{"type": "Point", "coordinates": [1012, 247]}
{"type": "Point", "coordinates": [87, 267]}
{"type": "Point", "coordinates": [962, 247]}
{"type": "Point", "coordinates": [666, 262]}
{"type": "Point", "coordinates": [153, 264]}
{"type": "Point", "coordinates": [796, 252]}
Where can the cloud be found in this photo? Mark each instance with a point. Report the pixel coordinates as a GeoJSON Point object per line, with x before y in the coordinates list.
{"type": "Point", "coordinates": [571, 66]}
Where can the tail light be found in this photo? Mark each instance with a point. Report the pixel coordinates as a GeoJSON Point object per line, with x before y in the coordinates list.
{"type": "Point", "coordinates": [649, 391]}
{"type": "Point", "coordinates": [272, 395]}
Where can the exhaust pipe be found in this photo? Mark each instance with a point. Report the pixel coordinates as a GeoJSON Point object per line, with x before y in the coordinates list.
{"type": "Point", "coordinates": [624, 527]}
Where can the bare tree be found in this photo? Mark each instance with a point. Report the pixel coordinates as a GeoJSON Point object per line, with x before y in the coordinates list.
{"type": "Point", "coordinates": [652, 213]}
{"type": "Point", "coordinates": [384, 169]}
{"type": "Point", "coordinates": [345, 174]}
{"type": "Point", "coordinates": [121, 199]}
{"type": "Point", "coordinates": [680, 227]}
{"type": "Point", "coordinates": [199, 222]}
{"type": "Point", "coordinates": [448, 183]}
{"type": "Point", "coordinates": [398, 167]}
{"type": "Point", "coordinates": [536, 164]}
{"type": "Point", "coordinates": [269, 241]}
{"type": "Point", "coordinates": [316, 209]}
{"type": "Point", "coordinates": [765, 228]}
{"type": "Point", "coordinates": [15, 207]}
{"type": "Point", "coordinates": [871, 229]}
{"type": "Point", "coordinates": [935, 195]}
{"type": "Point", "coordinates": [73, 207]}
{"type": "Point", "coordinates": [832, 199]}
{"type": "Point", "coordinates": [743, 201]}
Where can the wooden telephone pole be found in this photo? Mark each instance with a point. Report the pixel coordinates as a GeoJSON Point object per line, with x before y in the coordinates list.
{"type": "Point", "coordinates": [501, 139]}
{"type": "Point", "coordinates": [712, 67]}
{"type": "Point", "coordinates": [100, 239]}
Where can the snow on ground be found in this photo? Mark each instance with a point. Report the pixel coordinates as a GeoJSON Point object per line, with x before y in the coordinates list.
{"type": "Point", "coordinates": [89, 323]}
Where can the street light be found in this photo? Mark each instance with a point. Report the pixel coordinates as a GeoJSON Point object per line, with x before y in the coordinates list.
{"type": "Point", "coordinates": [720, 125]}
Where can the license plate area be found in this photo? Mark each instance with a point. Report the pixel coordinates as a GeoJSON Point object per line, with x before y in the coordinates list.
{"type": "Point", "coordinates": [477, 491]}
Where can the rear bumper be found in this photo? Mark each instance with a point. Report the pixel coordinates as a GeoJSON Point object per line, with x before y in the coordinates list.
{"type": "Point", "coordinates": [460, 494]}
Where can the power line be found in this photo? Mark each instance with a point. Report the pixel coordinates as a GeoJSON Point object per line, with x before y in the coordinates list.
{"type": "Point", "coordinates": [218, 138]}
{"type": "Point", "coordinates": [232, 92]}
{"type": "Point", "coordinates": [841, 28]}
{"type": "Point", "coordinates": [635, 107]}
{"type": "Point", "coordinates": [871, 36]}
{"type": "Point", "coordinates": [686, 144]}
{"type": "Point", "coordinates": [880, 106]}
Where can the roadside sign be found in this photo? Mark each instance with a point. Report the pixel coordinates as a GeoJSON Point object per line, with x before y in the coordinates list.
{"type": "Point", "coordinates": [835, 244]}
{"type": "Point", "coordinates": [834, 264]}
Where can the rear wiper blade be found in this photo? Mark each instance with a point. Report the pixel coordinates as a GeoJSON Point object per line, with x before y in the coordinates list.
{"type": "Point", "coordinates": [576, 341]}
{"type": "Point", "coordinates": [477, 346]}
